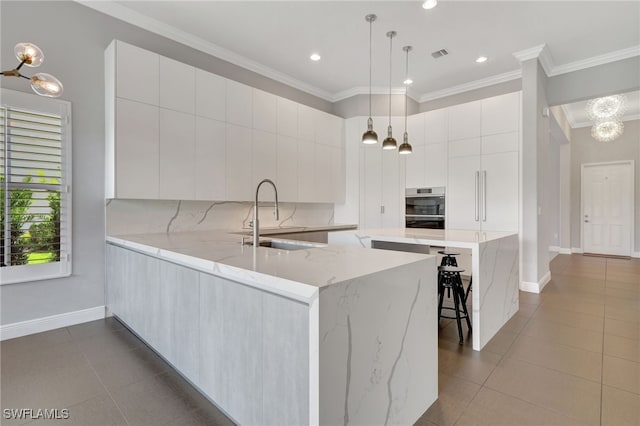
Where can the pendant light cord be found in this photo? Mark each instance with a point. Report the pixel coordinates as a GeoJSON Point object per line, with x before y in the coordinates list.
{"type": "Point", "coordinates": [406, 90]}
{"type": "Point", "coordinates": [390, 62]}
{"type": "Point", "coordinates": [370, 54]}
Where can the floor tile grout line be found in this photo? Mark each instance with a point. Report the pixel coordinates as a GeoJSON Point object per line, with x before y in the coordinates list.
{"type": "Point", "coordinates": [106, 389]}
{"type": "Point", "coordinates": [602, 358]}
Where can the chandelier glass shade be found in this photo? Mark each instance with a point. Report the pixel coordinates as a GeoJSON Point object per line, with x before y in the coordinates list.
{"type": "Point", "coordinates": [42, 83]}
{"type": "Point", "coordinates": [607, 107]}
{"type": "Point", "coordinates": [607, 131]}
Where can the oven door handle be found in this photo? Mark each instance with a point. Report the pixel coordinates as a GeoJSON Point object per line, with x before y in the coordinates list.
{"type": "Point", "coordinates": [437, 216]}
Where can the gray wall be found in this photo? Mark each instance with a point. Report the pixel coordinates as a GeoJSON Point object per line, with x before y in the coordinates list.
{"type": "Point", "coordinates": [585, 149]}
{"type": "Point", "coordinates": [73, 38]}
{"type": "Point", "coordinates": [607, 79]}
{"type": "Point", "coordinates": [358, 105]}
{"type": "Point", "coordinates": [473, 95]}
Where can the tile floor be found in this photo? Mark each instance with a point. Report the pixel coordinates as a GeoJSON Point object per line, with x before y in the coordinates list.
{"type": "Point", "coordinates": [570, 356]}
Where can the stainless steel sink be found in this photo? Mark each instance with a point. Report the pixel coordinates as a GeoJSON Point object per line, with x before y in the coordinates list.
{"type": "Point", "coordinates": [286, 245]}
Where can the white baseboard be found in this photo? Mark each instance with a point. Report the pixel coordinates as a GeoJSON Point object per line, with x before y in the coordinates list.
{"type": "Point", "coordinates": [576, 250]}
{"type": "Point", "coordinates": [535, 287]}
{"type": "Point", "coordinates": [554, 249]}
{"type": "Point", "coordinates": [38, 325]}
{"type": "Point", "coordinates": [564, 250]}
{"type": "Point", "coordinates": [635, 254]}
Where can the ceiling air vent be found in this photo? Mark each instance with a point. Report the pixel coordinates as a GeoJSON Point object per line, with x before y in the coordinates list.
{"type": "Point", "coordinates": [439, 53]}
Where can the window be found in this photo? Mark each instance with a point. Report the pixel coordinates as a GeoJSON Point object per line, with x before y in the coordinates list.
{"type": "Point", "coordinates": [35, 196]}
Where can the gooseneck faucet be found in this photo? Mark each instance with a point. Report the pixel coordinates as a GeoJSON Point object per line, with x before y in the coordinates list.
{"type": "Point", "coordinates": [256, 223]}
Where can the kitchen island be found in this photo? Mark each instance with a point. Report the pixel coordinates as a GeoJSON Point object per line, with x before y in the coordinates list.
{"type": "Point", "coordinates": [495, 266]}
{"type": "Point", "coordinates": [326, 334]}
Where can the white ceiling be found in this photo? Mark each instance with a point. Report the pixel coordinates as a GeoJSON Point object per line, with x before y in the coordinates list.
{"type": "Point", "coordinates": [578, 117]}
{"type": "Point", "coordinates": [277, 37]}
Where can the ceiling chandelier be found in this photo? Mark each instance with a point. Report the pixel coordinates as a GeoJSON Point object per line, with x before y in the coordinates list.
{"type": "Point", "coordinates": [42, 83]}
{"type": "Point", "coordinates": [606, 114]}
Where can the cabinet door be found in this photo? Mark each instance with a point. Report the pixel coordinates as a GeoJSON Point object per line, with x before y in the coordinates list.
{"type": "Point", "coordinates": [264, 111]}
{"type": "Point", "coordinates": [306, 171]}
{"type": "Point", "coordinates": [265, 154]}
{"type": "Point", "coordinates": [137, 150]}
{"type": "Point", "coordinates": [210, 159]}
{"type": "Point", "coordinates": [211, 95]}
{"type": "Point", "coordinates": [177, 86]}
{"type": "Point", "coordinates": [287, 169]}
{"type": "Point", "coordinates": [137, 74]}
{"type": "Point", "coordinates": [307, 121]}
{"type": "Point", "coordinates": [415, 128]}
{"type": "Point", "coordinates": [239, 104]}
{"type": "Point", "coordinates": [435, 165]}
{"type": "Point", "coordinates": [177, 155]}
{"type": "Point", "coordinates": [436, 126]}
{"type": "Point", "coordinates": [391, 198]}
{"type": "Point", "coordinates": [501, 114]}
{"type": "Point", "coordinates": [416, 167]}
{"type": "Point", "coordinates": [462, 202]}
{"type": "Point", "coordinates": [238, 154]}
{"type": "Point", "coordinates": [323, 173]}
{"type": "Point", "coordinates": [287, 117]}
{"type": "Point", "coordinates": [371, 187]}
{"type": "Point", "coordinates": [465, 120]}
{"type": "Point", "coordinates": [500, 189]}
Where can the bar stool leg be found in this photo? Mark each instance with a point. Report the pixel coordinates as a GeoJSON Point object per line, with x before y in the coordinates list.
{"type": "Point", "coordinates": [456, 302]}
{"type": "Point", "coordinates": [466, 295]}
{"type": "Point", "coordinates": [464, 305]}
{"type": "Point", "coordinates": [441, 291]}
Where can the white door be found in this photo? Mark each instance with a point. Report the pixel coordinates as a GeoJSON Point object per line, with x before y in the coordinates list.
{"type": "Point", "coordinates": [607, 208]}
{"type": "Point", "coordinates": [463, 193]}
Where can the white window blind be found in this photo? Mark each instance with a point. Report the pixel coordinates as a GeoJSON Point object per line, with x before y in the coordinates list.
{"type": "Point", "coordinates": [35, 201]}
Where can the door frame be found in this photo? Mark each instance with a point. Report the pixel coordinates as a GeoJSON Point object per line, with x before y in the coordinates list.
{"type": "Point", "coordinates": [632, 197]}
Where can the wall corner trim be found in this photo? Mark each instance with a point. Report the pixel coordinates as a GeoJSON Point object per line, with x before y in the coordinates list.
{"type": "Point", "coordinates": [536, 287]}
{"type": "Point", "coordinates": [38, 325]}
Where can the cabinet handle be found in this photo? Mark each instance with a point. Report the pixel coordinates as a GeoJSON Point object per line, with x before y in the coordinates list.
{"type": "Point", "coordinates": [382, 209]}
{"type": "Point", "coordinates": [476, 199]}
{"type": "Point", "coordinates": [484, 195]}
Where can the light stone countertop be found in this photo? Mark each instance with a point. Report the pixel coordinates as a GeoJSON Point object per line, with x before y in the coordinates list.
{"type": "Point", "coordinates": [441, 237]}
{"type": "Point", "coordinates": [296, 274]}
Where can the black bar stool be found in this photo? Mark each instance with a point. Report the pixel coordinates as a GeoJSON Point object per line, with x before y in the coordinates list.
{"type": "Point", "coordinates": [449, 278]}
{"type": "Point", "coordinates": [449, 258]}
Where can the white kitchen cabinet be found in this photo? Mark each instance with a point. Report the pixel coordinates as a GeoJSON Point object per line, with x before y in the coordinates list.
{"type": "Point", "coordinates": [210, 159]}
{"type": "Point", "coordinates": [463, 192]}
{"type": "Point", "coordinates": [136, 72]}
{"type": "Point", "coordinates": [371, 208]}
{"type": "Point", "coordinates": [265, 155]}
{"type": "Point", "coordinates": [416, 167]}
{"type": "Point", "coordinates": [287, 169]}
{"type": "Point", "coordinates": [177, 155]}
{"type": "Point", "coordinates": [415, 128]}
{"type": "Point", "coordinates": [465, 147]}
{"type": "Point", "coordinates": [238, 161]}
{"type": "Point", "coordinates": [500, 188]}
{"type": "Point", "coordinates": [177, 132]}
{"type": "Point", "coordinates": [239, 104]}
{"type": "Point", "coordinates": [436, 126]}
{"type": "Point", "coordinates": [264, 111]}
{"type": "Point", "coordinates": [482, 192]}
{"type": "Point", "coordinates": [435, 165]}
{"type": "Point", "coordinates": [306, 171]}
{"type": "Point", "coordinates": [465, 121]}
{"type": "Point", "coordinates": [136, 159]}
{"type": "Point", "coordinates": [211, 95]}
{"type": "Point", "coordinates": [501, 114]}
{"type": "Point", "coordinates": [287, 117]}
{"type": "Point", "coordinates": [501, 142]}
{"type": "Point", "coordinates": [177, 86]}
{"type": "Point", "coordinates": [308, 119]}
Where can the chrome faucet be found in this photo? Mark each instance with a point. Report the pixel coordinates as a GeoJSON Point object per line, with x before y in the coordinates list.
{"type": "Point", "coordinates": [256, 223]}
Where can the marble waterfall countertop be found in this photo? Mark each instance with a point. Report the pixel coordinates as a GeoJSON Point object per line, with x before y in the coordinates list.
{"type": "Point", "coordinates": [436, 237]}
{"type": "Point", "coordinates": [295, 274]}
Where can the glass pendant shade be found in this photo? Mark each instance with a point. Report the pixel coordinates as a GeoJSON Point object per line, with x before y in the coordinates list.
{"type": "Point", "coordinates": [606, 108]}
{"type": "Point", "coordinates": [405, 146]}
{"type": "Point", "coordinates": [29, 53]}
{"type": "Point", "coordinates": [46, 85]}
{"type": "Point", "coordinates": [607, 131]}
{"type": "Point", "coordinates": [389, 142]}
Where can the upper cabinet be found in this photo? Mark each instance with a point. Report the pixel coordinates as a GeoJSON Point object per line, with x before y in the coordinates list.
{"type": "Point", "coordinates": [181, 133]}
{"type": "Point", "coordinates": [465, 120]}
{"type": "Point", "coordinates": [501, 114]}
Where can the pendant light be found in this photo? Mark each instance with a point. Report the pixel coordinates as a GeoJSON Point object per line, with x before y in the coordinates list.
{"type": "Point", "coordinates": [390, 142]}
{"type": "Point", "coordinates": [42, 83]}
{"type": "Point", "coordinates": [405, 146]}
{"type": "Point", "coordinates": [370, 136]}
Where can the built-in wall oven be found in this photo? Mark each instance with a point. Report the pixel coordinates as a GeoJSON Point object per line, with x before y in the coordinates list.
{"type": "Point", "coordinates": [425, 207]}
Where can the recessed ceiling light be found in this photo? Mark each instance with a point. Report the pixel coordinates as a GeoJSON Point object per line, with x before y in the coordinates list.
{"type": "Point", "coordinates": [408, 81]}
{"type": "Point", "coordinates": [314, 57]}
{"type": "Point", "coordinates": [481, 59]}
{"type": "Point", "coordinates": [429, 4]}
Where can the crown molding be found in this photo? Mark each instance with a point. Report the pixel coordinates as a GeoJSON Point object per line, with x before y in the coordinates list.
{"type": "Point", "coordinates": [132, 17]}
{"type": "Point", "coordinates": [569, 115]}
{"type": "Point", "coordinates": [364, 90]}
{"type": "Point", "coordinates": [581, 124]}
{"type": "Point", "coordinates": [472, 85]}
{"type": "Point", "coordinates": [540, 52]}
{"type": "Point", "coordinates": [614, 56]}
